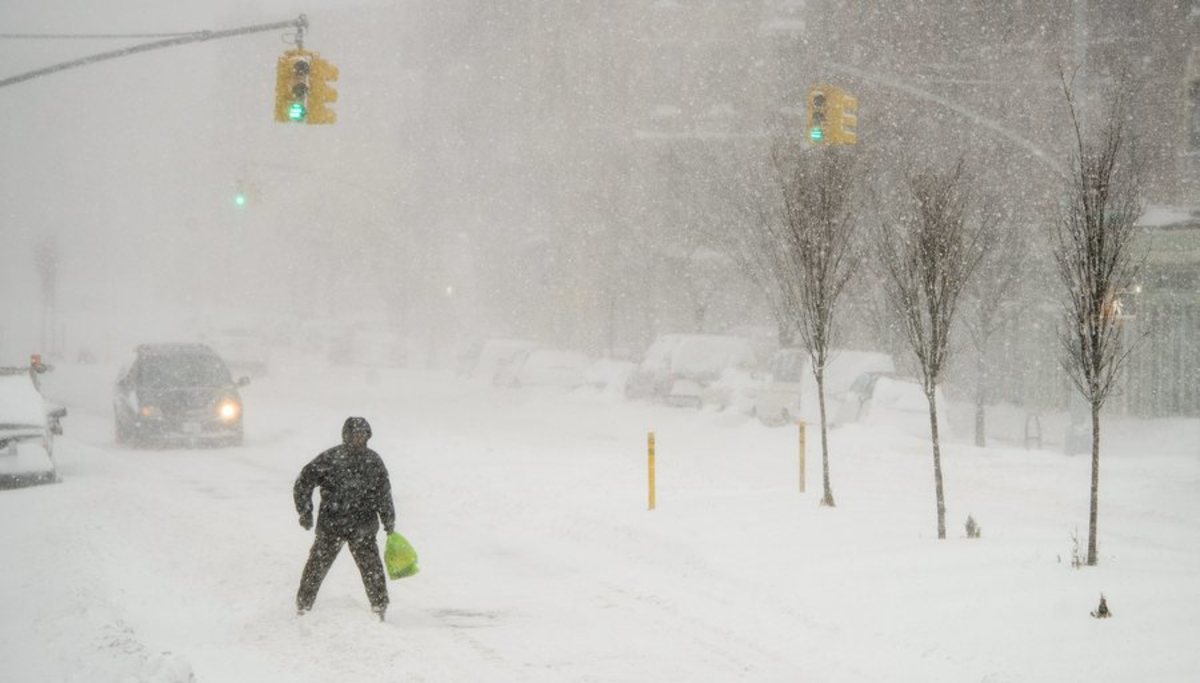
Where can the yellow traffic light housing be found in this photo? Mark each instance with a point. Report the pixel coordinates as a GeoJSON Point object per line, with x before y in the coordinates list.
{"type": "Point", "coordinates": [832, 116]}
{"type": "Point", "coordinates": [845, 119]}
{"type": "Point", "coordinates": [321, 94]}
{"type": "Point", "coordinates": [293, 72]}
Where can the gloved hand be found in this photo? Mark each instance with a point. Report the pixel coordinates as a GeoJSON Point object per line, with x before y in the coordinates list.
{"type": "Point", "coordinates": [306, 520]}
{"type": "Point", "coordinates": [389, 530]}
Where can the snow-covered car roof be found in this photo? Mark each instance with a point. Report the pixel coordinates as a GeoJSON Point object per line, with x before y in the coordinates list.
{"type": "Point", "coordinates": [709, 354]}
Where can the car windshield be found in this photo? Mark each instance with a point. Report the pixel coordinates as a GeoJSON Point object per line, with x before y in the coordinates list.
{"type": "Point", "coordinates": [184, 370]}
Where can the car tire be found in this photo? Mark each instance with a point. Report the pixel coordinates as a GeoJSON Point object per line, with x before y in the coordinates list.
{"type": "Point", "coordinates": [121, 431]}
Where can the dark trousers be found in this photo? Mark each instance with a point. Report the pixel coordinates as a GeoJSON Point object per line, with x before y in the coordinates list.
{"type": "Point", "coordinates": [325, 549]}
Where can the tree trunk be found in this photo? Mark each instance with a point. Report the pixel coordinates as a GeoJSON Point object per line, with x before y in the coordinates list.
{"type": "Point", "coordinates": [980, 396]}
{"type": "Point", "coordinates": [827, 500]}
{"type": "Point", "coordinates": [1091, 551]}
{"type": "Point", "coordinates": [937, 465]}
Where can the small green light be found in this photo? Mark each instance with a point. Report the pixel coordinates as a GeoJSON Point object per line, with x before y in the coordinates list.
{"type": "Point", "coordinates": [815, 134]}
{"type": "Point", "coordinates": [239, 199]}
{"type": "Point", "coordinates": [297, 112]}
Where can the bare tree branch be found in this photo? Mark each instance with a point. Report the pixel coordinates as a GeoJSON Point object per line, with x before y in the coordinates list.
{"type": "Point", "coordinates": [802, 252]}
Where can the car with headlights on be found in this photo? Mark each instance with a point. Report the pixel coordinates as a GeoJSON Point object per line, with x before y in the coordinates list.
{"type": "Point", "coordinates": [178, 393]}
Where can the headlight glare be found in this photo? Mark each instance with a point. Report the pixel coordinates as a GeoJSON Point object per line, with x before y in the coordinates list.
{"type": "Point", "coordinates": [229, 410]}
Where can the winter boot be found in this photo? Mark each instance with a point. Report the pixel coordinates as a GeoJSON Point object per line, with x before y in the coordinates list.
{"type": "Point", "coordinates": [380, 610]}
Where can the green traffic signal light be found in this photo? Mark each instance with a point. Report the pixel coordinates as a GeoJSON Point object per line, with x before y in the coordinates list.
{"type": "Point", "coordinates": [815, 134]}
{"type": "Point", "coordinates": [297, 112]}
{"type": "Point", "coordinates": [239, 199]}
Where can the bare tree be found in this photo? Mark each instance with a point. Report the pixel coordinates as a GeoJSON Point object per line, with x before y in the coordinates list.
{"type": "Point", "coordinates": [801, 253]}
{"type": "Point", "coordinates": [1094, 251]}
{"type": "Point", "coordinates": [929, 258]}
{"type": "Point", "coordinates": [818, 233]}
{"type": "Point", "coordinates": [995, 286]}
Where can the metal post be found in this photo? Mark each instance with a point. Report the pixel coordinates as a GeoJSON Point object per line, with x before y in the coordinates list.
{"type": "Point", "coordinates": [650, 463]}
{"type": "Point", "coordinates": [299, 24]}
{"type": "Point", "coordinates": [802, 449]}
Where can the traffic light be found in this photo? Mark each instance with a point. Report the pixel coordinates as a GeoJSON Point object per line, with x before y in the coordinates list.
{"type": "Point", "coordinates": [321, 94]}
{"type": "Point", "coordinates": [818, 116]}
{"type": "Point", "coordinates": [292, 75]}
{"type": "Point", "coordinates": [245, 192]}
{"type": "Point", "coordinates": [832, 116]}
{"type": "Point", "coordinates": [241, 194]}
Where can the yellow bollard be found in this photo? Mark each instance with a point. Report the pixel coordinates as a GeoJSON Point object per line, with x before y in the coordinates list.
{"type": "Point", "coordinates": [802, 449]}
{"type": "Point", "coordinates": [650, 462]}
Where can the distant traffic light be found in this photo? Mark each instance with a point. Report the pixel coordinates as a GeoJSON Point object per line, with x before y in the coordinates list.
{"type": "Point", "coordinates": [321, 93]}
{"type": "Point", "coordinates": [245, 192]}
{"type": "Point", "coordinates": [817, 115]}
{"type": "Point", "coordinates": [292, 75]}
{"type": "Point", "coordinates": [832, 116]}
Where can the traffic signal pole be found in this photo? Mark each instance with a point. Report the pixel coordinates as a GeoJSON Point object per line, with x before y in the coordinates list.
{"type": "Point", "coordinates": [300, 24]}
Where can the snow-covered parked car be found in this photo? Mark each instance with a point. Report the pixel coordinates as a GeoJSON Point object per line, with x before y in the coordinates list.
{"type": "Point", "coordinates": [651, 376]}
{"type": "Point", "coordinates": [609, 375]}
{"type": "Point", "coordinates": [553, 368]}
{"type": "Point", "coordinates": [736, 388]}
{"type": "Point", "coordinates": [691, 370]}
{"type": "Point", "coordinates": [891, 400]}
{"type": "Point", "coordinates": [28, 425]}
{"type": "Point", "coordinates": [789, 392]}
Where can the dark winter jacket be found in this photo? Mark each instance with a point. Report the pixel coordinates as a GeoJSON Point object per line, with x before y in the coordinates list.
{"type": "Point", "coordinates": [355, 492]}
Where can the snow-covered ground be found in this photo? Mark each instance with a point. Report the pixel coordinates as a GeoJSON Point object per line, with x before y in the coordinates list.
{"type": "Point", "coordinates": [540, 561]}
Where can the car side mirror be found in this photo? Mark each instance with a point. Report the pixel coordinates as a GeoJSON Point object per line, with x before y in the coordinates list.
{"type": "Point", "coordinates": [53, 420]}
{"type": "Point", "coordinates": [243, 381]}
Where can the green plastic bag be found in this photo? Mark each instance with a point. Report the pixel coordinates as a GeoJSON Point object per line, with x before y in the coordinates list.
{"type": "Point", "coordinates": [399, 556]}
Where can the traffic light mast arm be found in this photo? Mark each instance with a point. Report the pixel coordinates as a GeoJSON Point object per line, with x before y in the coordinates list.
{"type": "Point", "coordinates": [299, 24]}
{"type": "Point", "coordinates": [990, 124]}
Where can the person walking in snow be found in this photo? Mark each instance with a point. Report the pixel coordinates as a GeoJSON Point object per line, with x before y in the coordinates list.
{"type": "Point", "coordinates": [355, 497]}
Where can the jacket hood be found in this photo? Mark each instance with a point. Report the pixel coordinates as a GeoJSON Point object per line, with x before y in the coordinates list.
{"type": "Point", "coordinates": [355, 424]}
